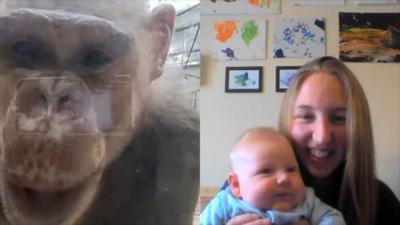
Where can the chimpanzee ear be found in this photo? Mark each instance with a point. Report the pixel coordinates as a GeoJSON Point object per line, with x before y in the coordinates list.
{"type": "Point", "coordinates": [162, 20]}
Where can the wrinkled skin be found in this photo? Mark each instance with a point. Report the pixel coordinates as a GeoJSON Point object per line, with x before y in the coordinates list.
{"type": "Point", "coordinates": [81, 140]}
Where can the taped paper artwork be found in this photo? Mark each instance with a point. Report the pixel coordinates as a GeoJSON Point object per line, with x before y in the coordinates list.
{"type": "Point", "coordinates": [299, 38]}
{"type": "Point", "coordinates": [235, 39]}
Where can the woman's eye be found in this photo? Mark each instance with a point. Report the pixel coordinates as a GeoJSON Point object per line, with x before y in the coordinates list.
{"type": "Point", "coordinates": [339, 119]}
{"type": "Point", "coordinates": [305, 117]}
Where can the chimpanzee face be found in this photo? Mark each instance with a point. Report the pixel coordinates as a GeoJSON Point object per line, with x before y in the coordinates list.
{"type": "Point", "coordinates": [71, 92]}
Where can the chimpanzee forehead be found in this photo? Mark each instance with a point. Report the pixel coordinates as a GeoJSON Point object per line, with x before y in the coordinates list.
{"type": "Point", "coordinates": [60, 37]}
{"type": "Point", "coordinates": [40, 19]}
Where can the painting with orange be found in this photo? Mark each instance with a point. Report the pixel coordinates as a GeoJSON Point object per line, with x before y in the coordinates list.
{"type": "Point", "coordinates": [369, 37]}
{"type": "Point", "coordinates": [261, 3]}
{"type": "Point", "coordinates": [240, 6]}
{"type": "Point", "coordinates": [236, 39]}
{"type": "Point", "coordinates": [225, 29]}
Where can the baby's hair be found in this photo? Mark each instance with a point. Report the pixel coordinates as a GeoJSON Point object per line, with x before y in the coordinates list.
{"type": "Point", "coordinates": [266, 132]}
{"type": "Point", "coordinates": [256, 130]}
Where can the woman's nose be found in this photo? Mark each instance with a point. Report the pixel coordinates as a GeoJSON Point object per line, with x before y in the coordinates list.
{"type": "Point", "coordinates": [322, 133]}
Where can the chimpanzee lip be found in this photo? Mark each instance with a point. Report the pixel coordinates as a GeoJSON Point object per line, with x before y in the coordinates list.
{"type": "Point", "coordinates": [41, 207]}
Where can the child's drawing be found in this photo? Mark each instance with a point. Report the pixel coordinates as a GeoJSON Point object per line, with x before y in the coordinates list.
{"type": "Point", "coordinates": [299, 38]}
{"type": "Point", "coordinates": [235, 39]}
{"type": "Point", "coordinates": [240, 6]}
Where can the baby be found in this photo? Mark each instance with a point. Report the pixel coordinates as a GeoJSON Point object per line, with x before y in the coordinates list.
{"type": "Point", "coordinates": [265, 179]}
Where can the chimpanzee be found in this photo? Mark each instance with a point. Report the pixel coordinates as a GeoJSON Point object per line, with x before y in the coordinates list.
{"type": "Point", "coordinates": [85, 137]}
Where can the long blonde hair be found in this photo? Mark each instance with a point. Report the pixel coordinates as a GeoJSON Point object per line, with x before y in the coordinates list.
{"type": "Point", "coordinates": [358, 182]}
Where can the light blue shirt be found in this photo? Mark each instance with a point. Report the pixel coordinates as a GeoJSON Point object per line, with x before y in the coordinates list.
{"type": "Point", "coordinates": [226, 206]}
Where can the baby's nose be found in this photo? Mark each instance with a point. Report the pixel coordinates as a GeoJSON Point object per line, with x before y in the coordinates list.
{"type": "Point", "coordinates": [282, 178]}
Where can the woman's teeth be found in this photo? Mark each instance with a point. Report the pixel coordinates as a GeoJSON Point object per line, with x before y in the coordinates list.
{"type": "Point", "coordinates": [319, 153]}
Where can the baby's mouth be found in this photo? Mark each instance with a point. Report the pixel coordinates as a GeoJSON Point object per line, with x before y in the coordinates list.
{"type": "Point", "coordinates": [283, 196]}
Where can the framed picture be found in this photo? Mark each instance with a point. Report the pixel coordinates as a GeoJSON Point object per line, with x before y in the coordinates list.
{"type": "Point", "coordinates": [243, 79]}
{"type": "Point", "coordinates": [284, 76]}
{"type": "Point", "coordinates": [385, 2]}
{"type": "Point", "coordinates": [369, 37]}
{"type": "Point", "coordinates": [319, 2]}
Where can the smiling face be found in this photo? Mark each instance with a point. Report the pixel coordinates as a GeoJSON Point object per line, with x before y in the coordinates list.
{"type": "Point", "coordinates": [266, 173]}
{"type": "Point", "coordinates": [319, 124]}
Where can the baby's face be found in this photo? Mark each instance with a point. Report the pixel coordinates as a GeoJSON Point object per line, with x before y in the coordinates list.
{"type": "Point", "coordinates": [270, 176]}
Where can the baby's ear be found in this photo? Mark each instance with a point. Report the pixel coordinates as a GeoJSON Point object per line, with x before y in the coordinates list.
{"type": "Point", "coordinates": [233, 181]}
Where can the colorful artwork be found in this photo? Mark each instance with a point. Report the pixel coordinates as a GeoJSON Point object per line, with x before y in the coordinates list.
{"type": "Point", "coordinates": [285, 76]}
{"type": "Point", "coordinates": [240, 6]}
{"type": "Point", "coordinates": [319, 2]}
{"type": "Point", "coordinates": [369, 37]}
{"type": "Point", "coordinates": [243, 79]}
{"type": "Point", "coordinates": [240, 39]}
{"type": "Point", "coordinates": [299, 38]}
{"type": "Point", "coordinates": [361, 2]}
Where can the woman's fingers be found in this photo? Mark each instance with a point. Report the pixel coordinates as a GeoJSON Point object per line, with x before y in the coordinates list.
{"type": "Point", "coordinates": [249, 219]}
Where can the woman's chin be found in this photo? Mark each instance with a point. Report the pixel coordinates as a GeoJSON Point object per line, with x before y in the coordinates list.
{"type": "Point", "coordinates": [321, 170]}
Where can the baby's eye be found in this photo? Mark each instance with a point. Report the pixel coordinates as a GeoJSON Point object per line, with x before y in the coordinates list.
{"type": "Point", "coordinates": [292, 169]}
{"type": "Point", "coordinates": [266, 171]}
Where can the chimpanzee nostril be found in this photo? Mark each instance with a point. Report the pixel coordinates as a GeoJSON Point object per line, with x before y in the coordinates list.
{"type": "Point", "coordinates": [43, 98]}
{"type": "Point", "coordinates": [64, 99]}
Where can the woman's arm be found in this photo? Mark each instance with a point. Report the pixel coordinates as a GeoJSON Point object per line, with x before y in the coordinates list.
{"type": "Point", "coordinates": [254, 219]}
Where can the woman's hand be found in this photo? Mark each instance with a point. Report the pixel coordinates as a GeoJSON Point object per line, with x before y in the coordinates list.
{"type": "Point", "coordinates": [249, 219]}
{"type": "Point", "coordinates": [301, 222]}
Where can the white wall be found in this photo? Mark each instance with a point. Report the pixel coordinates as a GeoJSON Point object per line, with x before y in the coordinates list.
{"type": "Point", "coordinates": [225, 116]}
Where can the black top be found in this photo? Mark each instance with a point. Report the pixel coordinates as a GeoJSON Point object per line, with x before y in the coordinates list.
{"type": "Point", "coordinates": [388, 206]}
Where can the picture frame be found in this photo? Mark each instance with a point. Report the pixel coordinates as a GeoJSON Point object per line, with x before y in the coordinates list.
{"type": "Point", "coordinates": [243, 79]}
{"type": "Point", "coordinates": [319, 2]}
{"type": "Point", "coordinates": [284, 76]}
{"type": "Point", "coordinates": [363, 37]}
{"type": "Point", "coordinates": [370, 2]}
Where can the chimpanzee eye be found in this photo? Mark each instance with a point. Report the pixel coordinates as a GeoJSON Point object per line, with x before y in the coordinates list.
{"type": "Point", "coordinates": [26, 52]}
{"type": "Point", "coordinates": [95, 58]}
{"type": "Point", "coordinates": [30, 52]}
{"type": "Point", "coordinates": [25, 47]}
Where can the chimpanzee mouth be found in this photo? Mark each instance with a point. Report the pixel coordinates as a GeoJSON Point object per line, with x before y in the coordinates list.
{"type": "Point", "coordinates": [38, 207]}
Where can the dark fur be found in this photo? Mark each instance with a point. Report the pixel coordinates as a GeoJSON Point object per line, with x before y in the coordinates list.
{"type": "Point", "coordinates": [155, 180]}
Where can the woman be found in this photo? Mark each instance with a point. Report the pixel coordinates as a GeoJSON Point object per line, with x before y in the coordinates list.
{"type": "Point", "coordinates": [326, 116]}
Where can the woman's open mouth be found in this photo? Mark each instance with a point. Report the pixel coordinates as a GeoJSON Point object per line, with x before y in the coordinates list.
{"type": "Point", "coordinates": [320, 155]}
